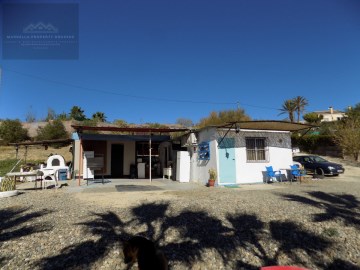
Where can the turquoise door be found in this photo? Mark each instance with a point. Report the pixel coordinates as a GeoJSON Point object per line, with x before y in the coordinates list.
{"type": "Point", "coordinates": [227, 166]}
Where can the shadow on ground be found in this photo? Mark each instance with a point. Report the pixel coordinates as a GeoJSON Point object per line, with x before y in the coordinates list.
{"type": "Point", "coordinates": [109, 231]}
{"type": "Point", "coordinates": [14, 224]}
{"type": "Point", "coordinates": [267, 243]}
{"type": "Point", "coordinates": [335, 206]}
{"type": "Point", "coordinates": [137, 188]}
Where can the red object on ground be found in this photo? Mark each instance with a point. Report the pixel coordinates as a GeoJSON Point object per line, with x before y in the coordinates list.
{"type": "Point", "coordinates": [282, 268]}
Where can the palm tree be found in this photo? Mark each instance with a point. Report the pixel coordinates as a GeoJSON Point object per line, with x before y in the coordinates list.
{"type": "Point", "coordinates": [77, 113]}
{"type": "Point", "coordinates": [99, 116]}
{"type": "Point", "coordinates": [300, 103]}
{"type": "Point", "coordinates": [289, 107]}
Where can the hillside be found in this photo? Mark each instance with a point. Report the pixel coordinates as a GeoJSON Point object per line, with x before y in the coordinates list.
{"type": "Point", "coordinates": [34, 153]}
{"type": "Point", "coordinates": [33, 127]}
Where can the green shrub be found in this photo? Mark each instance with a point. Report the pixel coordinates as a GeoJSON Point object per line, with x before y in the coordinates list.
{"type": "Point", "coordinates": [309, 143]}
{"type": "Point", "coordinates": [52, 131]}
{"type": "Point", "coordinates": [89, 123]}
{"type": "Point", "coordinates": [11, 131]}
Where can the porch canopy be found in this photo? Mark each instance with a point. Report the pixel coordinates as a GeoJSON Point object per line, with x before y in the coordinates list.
{"type": "Point", "coordinates": [142, 133]}
{"type": "Point", "coordinates": [264, 125]}
{"type": "Point", "coordinates": [268, 125]}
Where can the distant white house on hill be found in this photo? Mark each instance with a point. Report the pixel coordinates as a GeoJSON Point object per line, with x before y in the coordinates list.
{"type": "Point", "coordinates": [330, 115]}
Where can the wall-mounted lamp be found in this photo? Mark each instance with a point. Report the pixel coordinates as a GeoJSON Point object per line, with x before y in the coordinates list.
{"type": "Point", "coordinates": [237, 129]}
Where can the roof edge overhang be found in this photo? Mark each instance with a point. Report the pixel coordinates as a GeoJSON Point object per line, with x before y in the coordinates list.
{"type": "Point", "coordinates": [79, 129]}
{"type": "Point", "coordinates": [274, 125]}
{"type": "Point", "coordinates": [122, 138]}
{"type": "Point", "coordinates": [265, 125]}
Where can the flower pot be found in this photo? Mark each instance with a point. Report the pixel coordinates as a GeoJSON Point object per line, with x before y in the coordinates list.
{"type": "Point", "coordinates": [211, 182]}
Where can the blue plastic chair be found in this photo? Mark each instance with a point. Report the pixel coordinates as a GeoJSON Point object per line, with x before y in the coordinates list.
{"type": "Point", "coordinates": [296, 172]}
{"type": "Point", "coordinates": [272, 174]}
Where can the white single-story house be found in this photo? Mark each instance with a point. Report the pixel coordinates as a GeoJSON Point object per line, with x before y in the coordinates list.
{"type": "Point", "coordinates": [240, 151]}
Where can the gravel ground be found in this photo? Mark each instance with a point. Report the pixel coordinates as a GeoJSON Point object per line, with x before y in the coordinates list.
{"type": "Point", "coordinates": [314, 225]}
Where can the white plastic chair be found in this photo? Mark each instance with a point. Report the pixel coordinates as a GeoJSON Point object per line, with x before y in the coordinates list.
{"type": "Point", "coordinates": [50, 179]}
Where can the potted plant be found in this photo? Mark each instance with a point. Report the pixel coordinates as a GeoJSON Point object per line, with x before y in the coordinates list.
{"type": "Point", "coordinates": [212, 177]}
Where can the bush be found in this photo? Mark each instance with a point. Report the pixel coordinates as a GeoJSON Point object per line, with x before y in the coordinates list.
{"type": "Point", "coordinates": [347, 136]}
{"type": "Point", "coordinates": [309, 143]}
{"type": "Point", "coordinates": [52, 131]}
{"type": "Point", "coordinates": [89, 123]}
{"type": "Point", "coordinates": [11, 131]}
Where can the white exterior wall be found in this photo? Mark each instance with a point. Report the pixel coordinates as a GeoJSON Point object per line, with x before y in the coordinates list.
{"type": "Point", "coordinates": [247, 172]}
{"type": "Point", "coordinates": [193, 164]}
{"type": "Point", "coordinates": [332, 117]}
{"type": "Point", "coordinates": [200, 168]}
{"type": "Point", "coordinates": [279, 156]}
{"type": "Point", "coordinates": [129, 156]}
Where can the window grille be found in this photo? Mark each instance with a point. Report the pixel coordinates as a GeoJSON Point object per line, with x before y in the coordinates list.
{"type": "Point", "coordinates": [256, 149]}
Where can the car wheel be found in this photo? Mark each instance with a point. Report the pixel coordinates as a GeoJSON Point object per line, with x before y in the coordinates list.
{"type": "Point", "coordinates": [319, 173]}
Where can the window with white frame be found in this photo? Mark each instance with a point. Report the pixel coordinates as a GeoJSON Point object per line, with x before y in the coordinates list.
{"type": "Point", "coordinates": [256, 149]}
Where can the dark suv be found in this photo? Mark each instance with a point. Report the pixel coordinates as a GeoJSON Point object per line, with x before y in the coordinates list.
{"type": "Point", "coordinates": [318, 165]}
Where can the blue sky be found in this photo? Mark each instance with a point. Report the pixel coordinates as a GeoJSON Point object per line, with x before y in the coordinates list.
{"type": "Point", "coordinates": [156, 61]}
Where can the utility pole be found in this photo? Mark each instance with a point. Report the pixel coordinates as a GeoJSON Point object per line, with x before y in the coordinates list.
{"type": "Point", "coordinates": [150, 176]}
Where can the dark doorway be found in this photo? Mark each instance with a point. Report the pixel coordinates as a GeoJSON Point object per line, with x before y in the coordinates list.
{"type": "Point", "coordinates": [117, 160]}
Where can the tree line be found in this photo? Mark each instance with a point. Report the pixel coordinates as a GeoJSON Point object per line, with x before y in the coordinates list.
{"type": "Point", "coordinates": [76, 113]}
{"type": "Point", "coordinates": [345, 132]}
{"type": "Point", "coordinates": [290, 107]}
{"type": "Point", "coordinates": [12, 131]}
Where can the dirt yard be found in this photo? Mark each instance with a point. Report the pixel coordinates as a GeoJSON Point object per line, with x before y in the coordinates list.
{"type": "Point", "coordinates": [313, 225]}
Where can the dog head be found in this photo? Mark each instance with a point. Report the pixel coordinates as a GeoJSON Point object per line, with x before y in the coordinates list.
{"type": "Point", "coordinates": [130, 252]}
